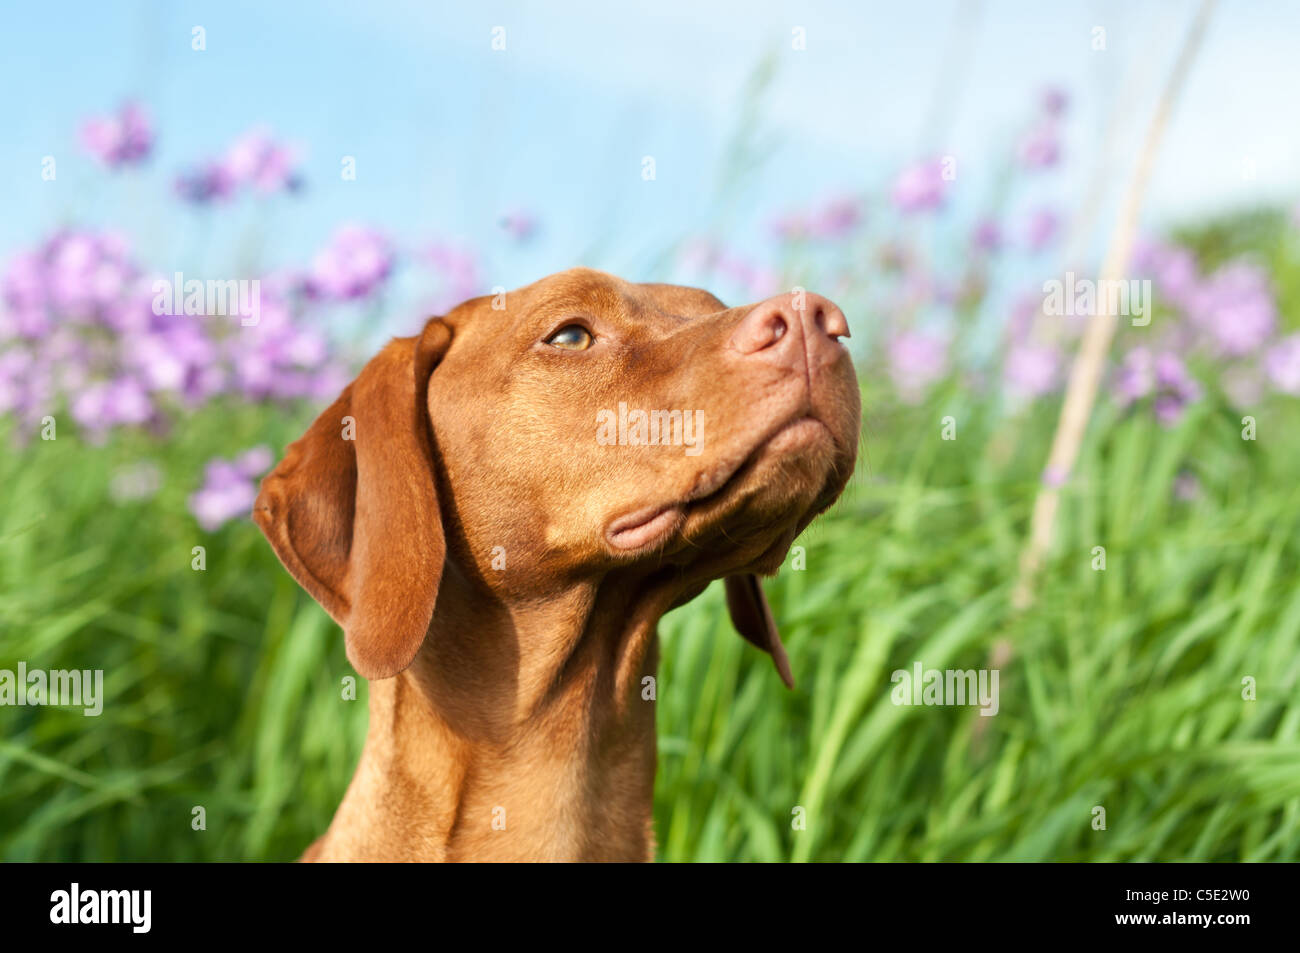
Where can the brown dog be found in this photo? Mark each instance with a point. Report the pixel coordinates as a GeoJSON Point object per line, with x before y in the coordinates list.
{"type": "Point", "coordinates": [499, 511]}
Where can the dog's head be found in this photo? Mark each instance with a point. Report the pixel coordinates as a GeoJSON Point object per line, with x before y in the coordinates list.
{"type": "Point", "coordinates": [578, 429]}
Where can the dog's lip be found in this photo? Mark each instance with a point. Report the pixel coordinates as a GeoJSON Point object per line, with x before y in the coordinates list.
{"type": "Point", "coordinates": [644, 526]}
{"type": "Point", "coordinates": [651, 524]}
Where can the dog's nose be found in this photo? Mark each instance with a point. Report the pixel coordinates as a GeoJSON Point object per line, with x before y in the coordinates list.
{"type": "Point", "coordinates": [789, 325]}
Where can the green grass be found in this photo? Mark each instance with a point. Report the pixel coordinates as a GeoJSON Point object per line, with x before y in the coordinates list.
{"type": "Point", "coordinates": [1124, 689]}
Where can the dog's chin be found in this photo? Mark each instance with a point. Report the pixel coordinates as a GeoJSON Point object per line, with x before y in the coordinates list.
{"type": "Point", "coordinates": [751, 511]}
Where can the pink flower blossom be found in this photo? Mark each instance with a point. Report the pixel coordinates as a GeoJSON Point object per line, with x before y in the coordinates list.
{"type": "Point", "coordinates": [921, 187]}
{"type": "Point", "coordinates": [1041, 148]}
{"type": "Point", "coordinates": [1235, 309]}
{"type": "Point", "coordinates": [254, 161]}
{"type": "Point", "coordinates": [228, 489]}
{"type": "Point", "coordinates": [987, 235]}
{"type": "Point", "coordinates": [354, 264]}
{"type": "Point", "coordinates": [1055, 101]}
{"type": "Point", "coordinates": [1282, 365]}
{"type": "Point", "coordinates": [1162, 376]}
{"type": "Point", "coordinates": [520, 225]}
{"type": "Point", "coordinates": [916, 360]}
{"type": "Point", "coordinates": [122, 139]}
{"type": "Point", "coordinates": [1031, 370]}
{"type": "Point", "coordinates": [1172, 269]}
{"type": "Point", "coordinates": [836, 219]}
{"type": "Point", "coordinates": [1041, 229]}
{"type": "Point", "coordinates": [81, 333]}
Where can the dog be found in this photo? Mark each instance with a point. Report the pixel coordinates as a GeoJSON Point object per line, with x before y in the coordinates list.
{"type": "Point", "coordinates": [498, 511]}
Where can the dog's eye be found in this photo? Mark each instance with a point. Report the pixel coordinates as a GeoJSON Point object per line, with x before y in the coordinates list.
{"type": "Point", "coordinates": [571, 337]}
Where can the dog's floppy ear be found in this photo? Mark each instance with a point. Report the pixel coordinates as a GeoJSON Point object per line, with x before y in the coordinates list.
{"type": "Point", "coordinates": [752, 617]}
{"type": "Point", "coordinates": [352, 509]}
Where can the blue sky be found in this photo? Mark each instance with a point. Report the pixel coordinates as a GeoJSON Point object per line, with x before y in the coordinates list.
{"type": "Point", "coordinates": [449, 134]}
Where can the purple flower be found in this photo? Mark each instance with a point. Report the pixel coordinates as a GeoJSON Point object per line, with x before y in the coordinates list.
{"type": "Point", "coordinates": [1041, 148]}
{"type": "Point", "coordinates": [1025, 310]}
{"type": "Point", "coordinates": [1171, 372]}
{"type": "Point", "coordinates": [1055, 101]}
{"type": "Point", "coordinates": [207, 183]}
{"type": "Point", "coordinates": [171, 354]}
{"type": "Point", "coordinates": [108, 404]}
{"type": "Point", "coordinates": [1041, 229]}
{"type": "Point", "coordinates": [1162, 376]}
{"type": "Point", "coordinates": [1136, 377]}
{"type": "Point", "coordinates": [119, 140]}
{"type": "Point", "coordinates": [1031, 370]}
{"type": "Point", "coordinates": [1232, 312]}
{"type": "Point", "coordinates": [354, 264]}
{"type": "Point", "coordinates": [257, 161]}
{"type": "Point", "coordinates": [74, 275]}
{"type": "Point", "coordinates": [1168, 409]}
{"type": "Point", "coordinates": [790, 227]}
{"type": "Point", "coordinates": [253, 463]}
{"type": "Point", "coordinates": [253, 161]}
{"type": "Point", "coordinates": [916, 360]}
{"type": "Point", "coordinates": [13, 380]}
{"type": "Point", "coordinates": [87, 273]}
{"type": "Point", "coordinates": [836, 219]}
{"type": "Point", "coordinates": [228, 489]}
{"type": "Point", "coordinates": [921, 187]}
{"type": "Point", "coordinates": [987, 235]}
{"type": "Point", "coordinates": [1235, 309]}
{"type": "Point", "coordinates": [1282, 365]}
{"type": "Point", "coordinates": [79, 332]}
{"type": "Point", "coordinates": [279, 357]}
{"type": "Point", "coordinates": [24, 294]}
{"type": "Point", "coordinates": [520, 225]}
{"type": "Point", "coordinates": [1172, 269]}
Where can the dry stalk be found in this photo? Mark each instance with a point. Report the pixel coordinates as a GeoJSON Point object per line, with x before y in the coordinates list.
{"type": "Point", "coordinates": [1085, 374]}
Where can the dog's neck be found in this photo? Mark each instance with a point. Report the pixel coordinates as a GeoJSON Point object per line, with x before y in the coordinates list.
{"type": "Point", "coordinates": [516, 734]}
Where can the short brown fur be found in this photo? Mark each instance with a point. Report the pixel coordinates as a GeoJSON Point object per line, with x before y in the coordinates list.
{"type": "Point", "coordinates": [469, 533]}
